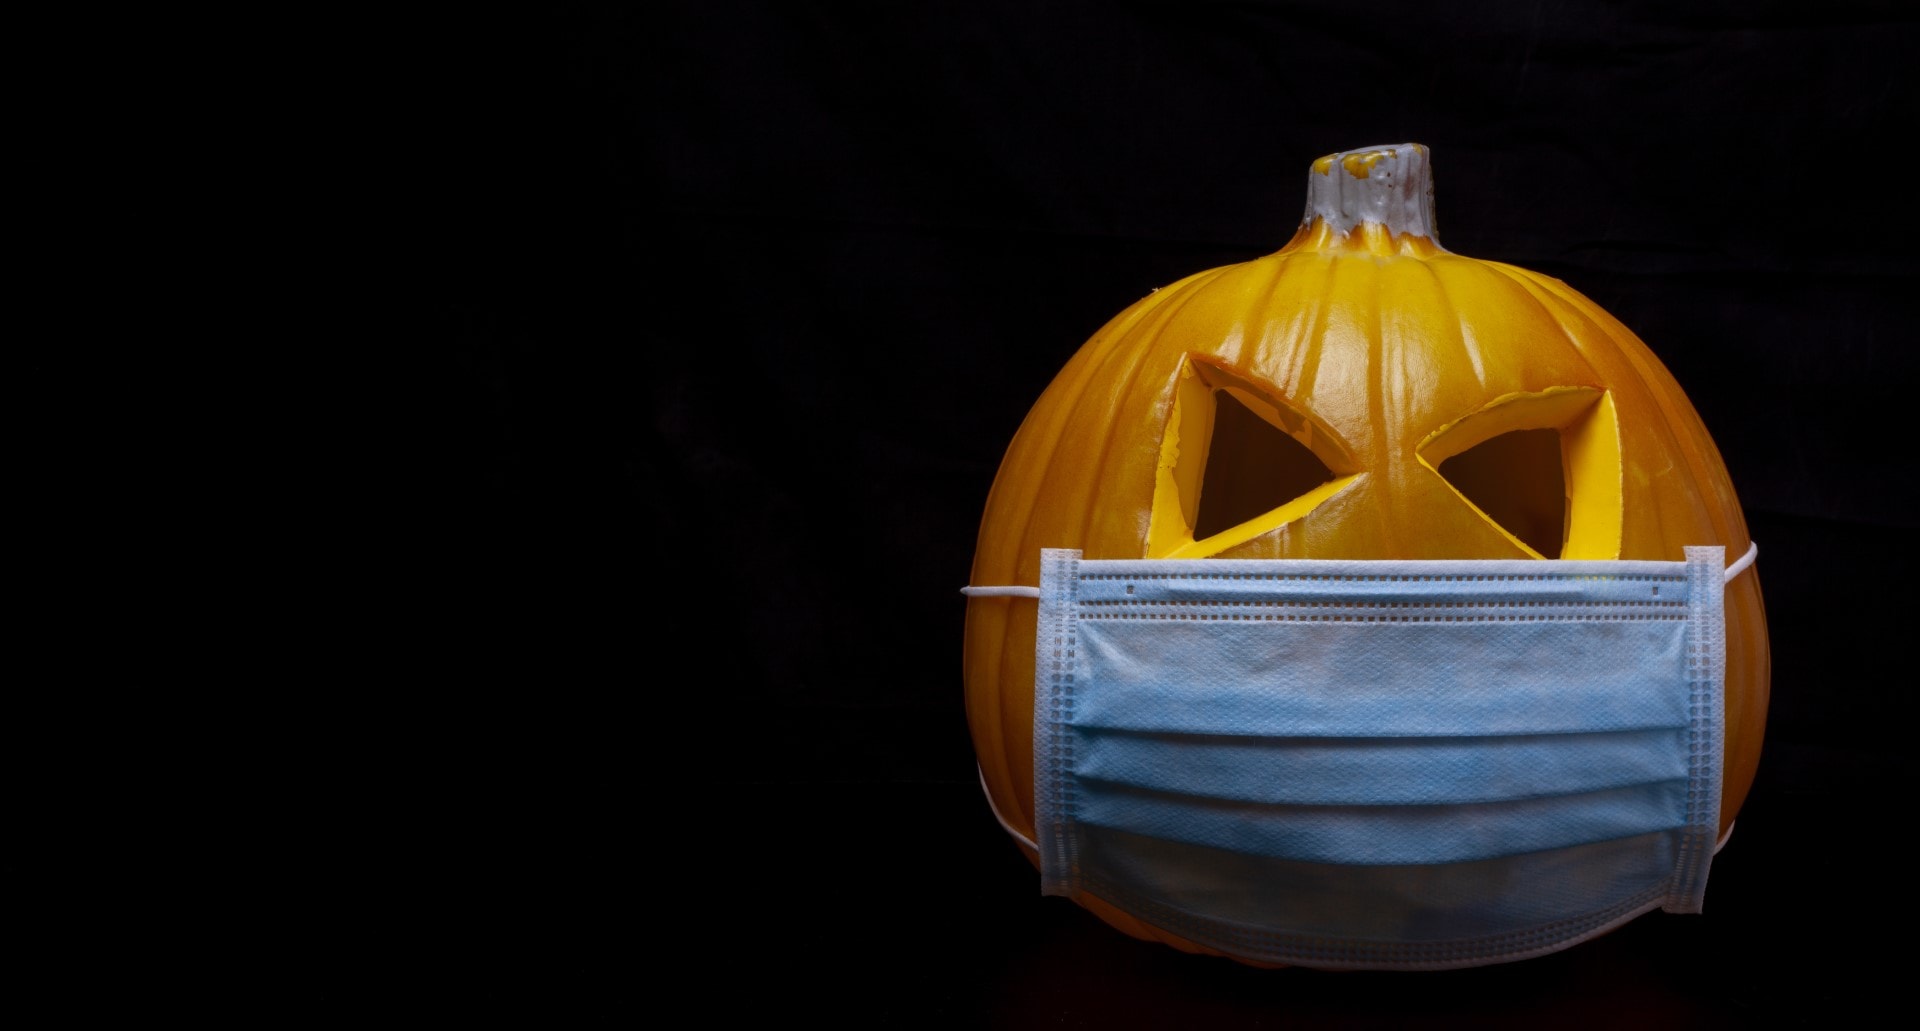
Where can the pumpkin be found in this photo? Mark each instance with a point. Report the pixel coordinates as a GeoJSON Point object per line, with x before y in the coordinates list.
{"type": "Point", "coordinates": [1361, 393]}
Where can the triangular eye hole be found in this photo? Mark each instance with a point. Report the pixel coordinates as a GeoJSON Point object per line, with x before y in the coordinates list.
{"type": "Point", "coordinates": [1543, 468]}
{"type": "Point", "coordinates": [1518, 481]}
{"type": "Point", "coordinates": [1235, 463]}
{"type": "Point", "coordinates": [1253, 467]}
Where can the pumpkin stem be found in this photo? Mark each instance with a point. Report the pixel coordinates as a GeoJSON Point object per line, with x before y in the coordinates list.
{"type": "Point", "coordinates": [1375, 198]}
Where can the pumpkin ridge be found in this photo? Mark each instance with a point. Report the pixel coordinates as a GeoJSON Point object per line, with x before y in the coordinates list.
{"type": "Point", "coordinates": [1306, 367]}
{"type": "Point", "coordinates": [1680, 415]}
{"type": "Point", "coordinates": [1149, 346]}
{"type": "Point", "coordinates": [1269, 343]}
{"type": "Point", "coordinates": [1674, 422]}
{"type": "Point", "coordinates": [1260, 304]}
{"type": "Point", "coordinates": [1017, 726]}
{"type": "Point", "coordinates": [1046, 438]}
{"type": "Point", "coordinates": [988, 707]}
{"type": "Point", "coordinates": [1383, 440]}
{"type": "Point", "coordinates": [1552, 306]}
{"type": "Point", "coordinates": [1467, 344]}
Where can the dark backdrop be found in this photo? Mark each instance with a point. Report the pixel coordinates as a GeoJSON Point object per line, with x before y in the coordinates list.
{"type": "Point", "coordinates": [734, 307]}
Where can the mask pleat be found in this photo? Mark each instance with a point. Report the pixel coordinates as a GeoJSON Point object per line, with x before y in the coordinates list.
{"type": "Point", "coordinates": [1436, 678]}
{"type": "Point", "coordinates": [1376, 834]}
{"type": "Point", "coordinates": [1380, 771]}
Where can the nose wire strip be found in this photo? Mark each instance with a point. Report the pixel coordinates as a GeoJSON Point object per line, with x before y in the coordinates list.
{"type": "Point", "coordinates": [1739, 566]}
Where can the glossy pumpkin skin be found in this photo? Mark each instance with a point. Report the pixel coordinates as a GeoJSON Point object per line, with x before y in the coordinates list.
{"type": "Point", "coordinates": [1381, 340]}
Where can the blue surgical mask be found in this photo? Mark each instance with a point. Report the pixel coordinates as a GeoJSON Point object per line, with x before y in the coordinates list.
{"type": "Point", "coordinates": [1379, 764]}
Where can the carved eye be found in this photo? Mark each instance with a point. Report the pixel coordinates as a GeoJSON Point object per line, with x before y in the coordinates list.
{"type": "Point", "coordinates": [1235, 463]}
{"type": "Point", "coordinates": [1543, 468]}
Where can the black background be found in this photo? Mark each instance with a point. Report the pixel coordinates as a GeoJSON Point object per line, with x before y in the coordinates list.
{"type": "Point", "coordinates": [734, 306]}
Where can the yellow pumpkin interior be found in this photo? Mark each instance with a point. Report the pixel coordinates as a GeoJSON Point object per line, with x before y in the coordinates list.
{"type": "Point", "coordinates": [1588, 434]}
{"type": "Point", "coordinates": [1206, 422]}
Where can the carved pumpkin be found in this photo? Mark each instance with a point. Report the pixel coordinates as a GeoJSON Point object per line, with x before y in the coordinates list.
{"type": "Point", "coordinates": [1360, 393]}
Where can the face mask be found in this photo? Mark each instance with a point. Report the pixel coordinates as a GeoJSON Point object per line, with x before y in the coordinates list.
{"type": "Point", "coordinates": [1379, 764]}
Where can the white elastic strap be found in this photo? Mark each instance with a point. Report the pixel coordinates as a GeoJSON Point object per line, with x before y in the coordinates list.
{"type": "Point", "coordinates": [1001, 592]}
{"type": "Point", "coordinates": [1722, 843]}
{"type": "Point", "coordinates": [1753, 550]}
{"type": "Point", "coordinates": [1017, 836]}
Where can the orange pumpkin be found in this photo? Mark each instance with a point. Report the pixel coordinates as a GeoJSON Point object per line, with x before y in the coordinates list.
{"type": "Point", "coordinates": [1361, 393]}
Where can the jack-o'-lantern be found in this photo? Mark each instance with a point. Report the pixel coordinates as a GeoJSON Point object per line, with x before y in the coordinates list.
{"type": "Point", "coordinates": [1359, 394]}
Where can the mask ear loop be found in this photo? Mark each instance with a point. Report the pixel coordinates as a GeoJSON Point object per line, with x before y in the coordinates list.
{"type": "Point", "coordinates": [1740, 564]}
{"type": "Point", "coordinates": [1004, 825]}
{"type": "Point", "coordinates": [1001, 592]}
